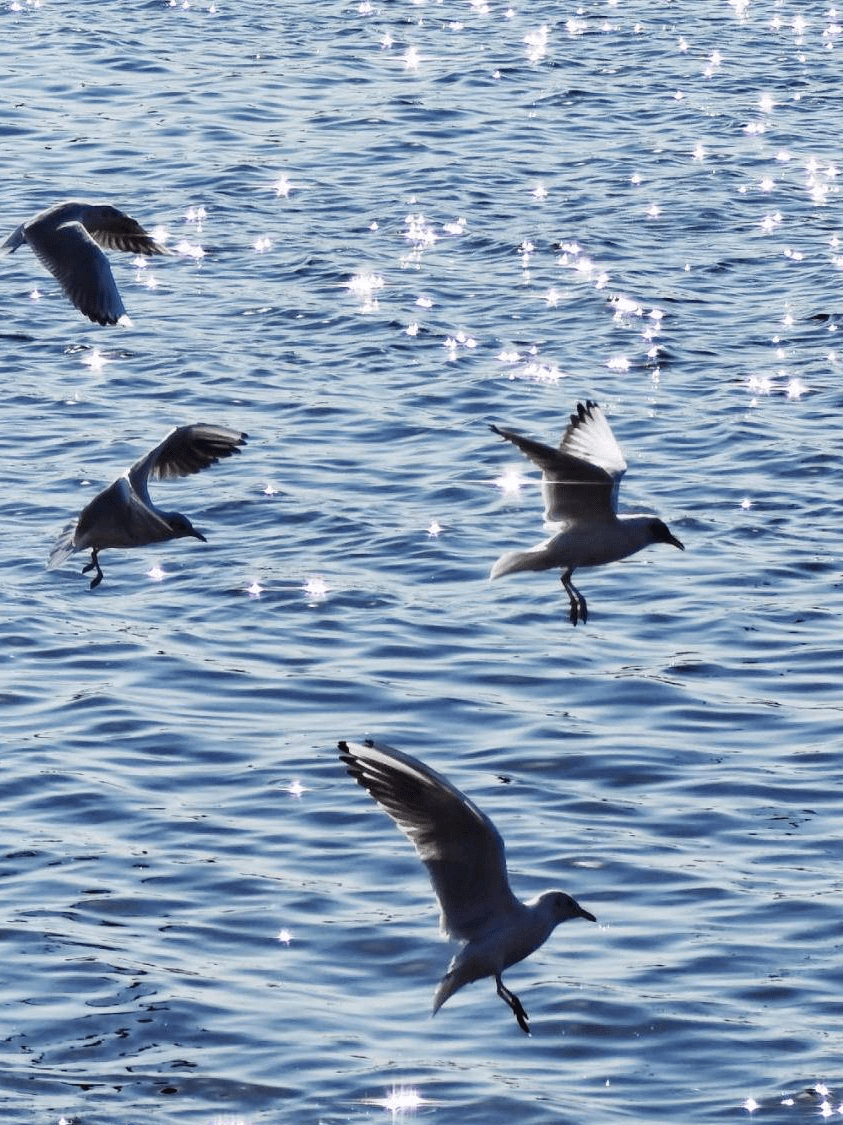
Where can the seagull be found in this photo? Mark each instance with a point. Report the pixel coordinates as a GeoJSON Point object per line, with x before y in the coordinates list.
{"type": "Point", "coordinates": [122, 515]}
{"type": "Point", "coordinates": [466, 860]}
{"type": "Point", "coordinates": [580, 482]}
{"type": "Point", "coordinates": [67, 239]}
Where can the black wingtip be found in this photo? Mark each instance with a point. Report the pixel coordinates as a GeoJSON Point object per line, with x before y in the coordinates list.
{"type": "Point", "coordinates": [583, 413]}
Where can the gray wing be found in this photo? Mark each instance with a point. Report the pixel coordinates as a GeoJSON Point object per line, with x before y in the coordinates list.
{"type": "Point", "coordinates": [573, 489]}
{"type": "Point", "coordinates": [185, 450]}
{"type": "Point", "coordinates": [114, 230]}
{"type": "Point", "coordinates": [80, 267]}
{"type": "Point", "coordinates": [461, 848]}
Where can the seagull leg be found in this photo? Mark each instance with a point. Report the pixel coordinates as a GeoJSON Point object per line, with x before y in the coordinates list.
{"type": "Point", "coordinates": [94, 565]}
{"type": "Point", "coordinates": [512, 1000]}
{"type": "Point", "coordinates": [579, 610]}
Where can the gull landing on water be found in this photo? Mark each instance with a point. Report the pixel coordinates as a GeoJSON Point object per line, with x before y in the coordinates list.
{"type": "Point", "coordinates": [123, 515]}
{"type": "Point", "coordinates": [466, 860]}
{"type": "Point", "coordinates": [580, 482]}
{"type": "Point", "coordinates": [67, 238]}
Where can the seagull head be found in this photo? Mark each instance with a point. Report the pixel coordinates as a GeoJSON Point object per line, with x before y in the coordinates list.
{"type": "Point", "coordinates": [181, 527]}
{"type": "Point", "coordinates": [563, 908]}
{"type": "Point", "coordinates": [660, 533]}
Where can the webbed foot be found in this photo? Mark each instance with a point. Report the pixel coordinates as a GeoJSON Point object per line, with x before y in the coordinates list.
{"type": "Point", "coordinates": [94, 565]}
{"type": "Point", "coordinates": [579, 609]}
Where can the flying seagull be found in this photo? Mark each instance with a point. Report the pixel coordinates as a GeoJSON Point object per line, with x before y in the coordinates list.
{"type": "Point", "coordinates": [123, 515]}
{"type": "Point", "coordinates": [465, 858]}
{"type": "Point", "coordinates": [67, 239]}
{"type": "Point", "coordinates": [580, 482]}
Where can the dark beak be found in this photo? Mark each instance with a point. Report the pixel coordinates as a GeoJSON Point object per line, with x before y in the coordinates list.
{"type": "Point", "coordinates": [672, 539]}
{"type": "Point", "coordinates": [589, 917]}
{"type": "Point", "coordinates": [198, 535]}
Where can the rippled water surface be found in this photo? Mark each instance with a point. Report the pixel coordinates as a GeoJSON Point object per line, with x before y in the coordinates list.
{"type": "Point", "coordinates": [395, 224]}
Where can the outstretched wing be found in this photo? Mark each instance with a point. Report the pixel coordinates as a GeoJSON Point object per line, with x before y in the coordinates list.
{"type": "Point", "coordinates": [461, 848]}
{"type": "Point", "coordinates": [80, 267]}
{"type": "Point", "coordinates": [589, 437]}
{"type": "Point", "coordinates": [572, 488]}
{"type": "Point", "coordinates": [185, 450]}
{"type": "Point", "coordinates": [114, 230]}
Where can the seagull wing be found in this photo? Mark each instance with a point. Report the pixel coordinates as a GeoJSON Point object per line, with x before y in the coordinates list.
{"type": "Point", "coordinates": [589, 437]}
{"type": "Point", "coordinates": [80, 267]}
{"type": "Point", "coordinates": [113, 230]}
{"type": "Point", "coordinates": [461, 848]}
{"type": "Point", "coordinates": [185, 450]}
{"type": "Point", "coordinates": [573, 489]}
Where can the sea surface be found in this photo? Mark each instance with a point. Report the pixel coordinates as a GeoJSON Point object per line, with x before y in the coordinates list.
{"type": "Point", "coordinates": [395, 223]}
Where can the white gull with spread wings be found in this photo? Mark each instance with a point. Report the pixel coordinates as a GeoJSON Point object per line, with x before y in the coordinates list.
{"type": "Point", "coordinates": [580, 482]}
{"type": "Point", "coordinates": [466, 860]}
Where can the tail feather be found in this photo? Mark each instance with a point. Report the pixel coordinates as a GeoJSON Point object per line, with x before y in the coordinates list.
{"type": "Point", "coordinates": [63, 547]}
{"type": "Point", "coordinates": [514, 561]}
{"type": "Point", "coordinates": [448, 985]}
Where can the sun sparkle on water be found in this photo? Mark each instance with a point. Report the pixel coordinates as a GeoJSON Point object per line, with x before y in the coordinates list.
{"type": "Point", "coordinates": [364, 286]}
{"type": "Point", "coordinates": [282, 187]}
{"type": "Point", "coordinates": [510, 482]}
{"type": "Point", "coordinates": [400, 1099]}
{"type": "Point", "coordinates": [190, 249]}
{"type": "Point", "coordinates": [316, 588]}
{"type": "Point", "coordinates": [96, 360]}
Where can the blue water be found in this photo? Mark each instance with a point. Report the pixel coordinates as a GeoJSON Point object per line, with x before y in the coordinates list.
{"type": "Point", "coordinates": [396, 224]}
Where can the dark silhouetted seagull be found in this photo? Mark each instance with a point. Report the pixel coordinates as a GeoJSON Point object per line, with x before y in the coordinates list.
{"type": "Point", "coordinates": [580, 482]}
{"type": "Point", "coordinates": [67, 240]}
{"type": "Point", "coordinates": [465, 858]}
{"type": "Point", "coordinates": [123, 515]}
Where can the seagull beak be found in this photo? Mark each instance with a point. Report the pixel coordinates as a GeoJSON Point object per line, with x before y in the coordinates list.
{"type": "Point", "coordinates": [589, 917]}
{"type": "Point", "coordinates": [198, 535]}
{"type": "Point", "coordinates": [672, 539]}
